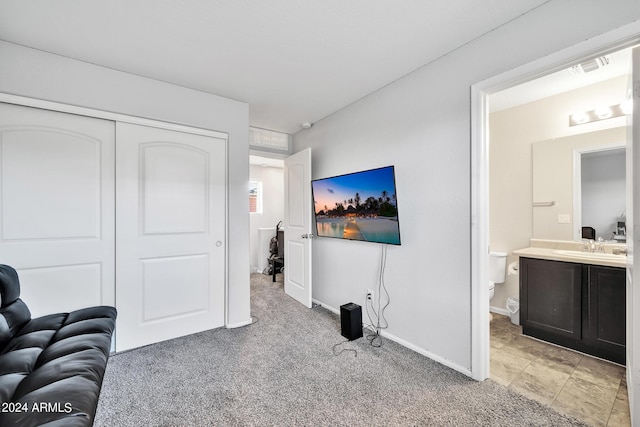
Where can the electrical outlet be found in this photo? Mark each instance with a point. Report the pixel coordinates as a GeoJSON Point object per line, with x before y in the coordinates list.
{"type": "Point", "coordinates": [370, 295]}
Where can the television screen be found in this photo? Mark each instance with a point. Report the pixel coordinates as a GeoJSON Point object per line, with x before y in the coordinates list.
{"type": "Point", "coordinates": [358, 206]}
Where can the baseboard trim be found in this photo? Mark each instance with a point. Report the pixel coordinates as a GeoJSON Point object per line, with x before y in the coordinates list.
{"type": "Point", "coordinates": [328, 307]}
{"type": "Point", "coordinates": [430, 355]}
{"type": "Point", "coordinates": [239, 324]}
{"type": "Point", "coordinates": [498, 310]}
{"type": "Point", "coordinates": [426, 353]}
{"type": "Point", "coordinates": [631, 388]}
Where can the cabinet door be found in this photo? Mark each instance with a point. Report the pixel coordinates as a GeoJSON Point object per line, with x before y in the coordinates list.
{"type": "Point", "coordinates": [607, 310]}
{"type": "Point", "coordinates": [550, 299]}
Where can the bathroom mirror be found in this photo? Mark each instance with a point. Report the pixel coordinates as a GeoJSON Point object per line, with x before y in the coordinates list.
{"type": "Point", "coordinates": [579, 181]}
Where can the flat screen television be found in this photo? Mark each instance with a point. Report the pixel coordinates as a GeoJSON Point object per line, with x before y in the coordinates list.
{"type": "Point", "coordinates": [358, 206]}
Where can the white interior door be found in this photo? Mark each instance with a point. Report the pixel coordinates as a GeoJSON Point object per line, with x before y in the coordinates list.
{"type": "Point", "coordinates": [170, 239]}
{"type": "Point", "coordinates": [297, 226]}
{"type": "Point", "coordinates": [57, 207]}
{"type": "Point", "coordinates": [633, 238]}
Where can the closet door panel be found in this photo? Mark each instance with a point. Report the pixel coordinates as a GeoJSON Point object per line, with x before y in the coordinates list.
{"type": "Point", "coordinates": [174, 187]}
{"type": "Point", "coordinates": [51, 185]}
{"type": "Point", "coordinates": [57, 207]}
{"type": "Point", "coordinates": [171, 235]}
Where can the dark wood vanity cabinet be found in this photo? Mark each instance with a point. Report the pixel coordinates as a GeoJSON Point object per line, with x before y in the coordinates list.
{"type": "Point", "coordinates": [551, 298]}
{"type": "Point", "coordinates": [607, 311]}
{"type": "Point", "coordinates": [579, 306]}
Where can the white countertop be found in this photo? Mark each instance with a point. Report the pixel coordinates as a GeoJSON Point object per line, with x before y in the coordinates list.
{"type": "Point", "coordinates": [572, 256]}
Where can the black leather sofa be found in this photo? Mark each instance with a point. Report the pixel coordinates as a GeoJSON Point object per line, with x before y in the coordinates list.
{"type": "Point", "coordinates": [51, 368]}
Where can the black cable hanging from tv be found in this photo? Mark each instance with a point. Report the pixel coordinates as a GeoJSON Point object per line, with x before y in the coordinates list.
{"type": "Point", "coordinates": [374, 338]}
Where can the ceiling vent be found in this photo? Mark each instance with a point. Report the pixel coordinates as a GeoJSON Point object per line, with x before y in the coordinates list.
{"type": "Point", "coordinates": [589, 66]}
{"type": "Point", "coordinates": [269, 140]}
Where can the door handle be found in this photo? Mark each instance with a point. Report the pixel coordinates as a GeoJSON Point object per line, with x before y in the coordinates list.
{"type": "Point", "coordinates": [307, 236]}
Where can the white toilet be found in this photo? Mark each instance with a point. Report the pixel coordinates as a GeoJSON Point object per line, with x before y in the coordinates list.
{"type": "Point", "coordinates": [497, 270]}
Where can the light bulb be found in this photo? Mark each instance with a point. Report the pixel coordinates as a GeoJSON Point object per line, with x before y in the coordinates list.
{"type": "Point", "coordinates": [580, 117]}
{"type": "Point", "coordinates": [603, 112]}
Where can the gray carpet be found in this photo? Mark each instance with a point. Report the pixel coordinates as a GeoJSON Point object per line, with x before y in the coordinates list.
{"type": "Point", "coordinates": [281, 371]}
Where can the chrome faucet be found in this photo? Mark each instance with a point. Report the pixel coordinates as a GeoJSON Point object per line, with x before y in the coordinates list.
{"type": "Point", "coordinates": [591, 245]}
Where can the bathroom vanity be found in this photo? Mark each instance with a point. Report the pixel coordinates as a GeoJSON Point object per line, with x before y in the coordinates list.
{"type": "Point", "coordinates": [576, 300]}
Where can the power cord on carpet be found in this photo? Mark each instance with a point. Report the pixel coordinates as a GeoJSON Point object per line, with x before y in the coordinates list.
{"type": "Point", "coordinates": [344, 349]}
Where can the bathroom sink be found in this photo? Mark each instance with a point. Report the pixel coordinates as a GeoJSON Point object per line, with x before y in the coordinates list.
{"type": "Point", "coordinates": [589, 255]}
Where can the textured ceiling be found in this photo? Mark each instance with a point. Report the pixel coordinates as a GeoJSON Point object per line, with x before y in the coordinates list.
{"type": "Point", "coordinates": [292, 61]}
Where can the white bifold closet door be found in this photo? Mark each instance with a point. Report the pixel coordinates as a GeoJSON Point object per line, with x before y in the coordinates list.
{"type": "Point", "coordinates": [170, 236]}
{"type": "Point", "coordinates": [139, 223]}
{"type": "Point", "coordinates": [57, 207]}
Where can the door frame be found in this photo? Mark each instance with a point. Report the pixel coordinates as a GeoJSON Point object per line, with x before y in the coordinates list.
{"type": "Point", "coordinates": [106, 115]}
{"type": "Point", "coordinates": [620, 38]}
{"type": "Point", "coordinates": [118, 117]}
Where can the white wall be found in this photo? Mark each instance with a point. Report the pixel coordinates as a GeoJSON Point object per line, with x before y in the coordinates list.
{"type": "Point", "coordinates": [272, 179]}
{"type": "Point", "coordinates": [36, 74]}
{"type": "Point", "coordinates": [421, 124]}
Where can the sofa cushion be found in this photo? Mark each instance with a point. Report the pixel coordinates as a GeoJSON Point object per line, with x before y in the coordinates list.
{"type": "Point", "coordinates": [12, 319]}
{"type": "Point", "coordinates": [56, 363]}
{"type": "Point", "coordinates": [9, 285]}
{"type": "Point", "coordinates": [14, 314]}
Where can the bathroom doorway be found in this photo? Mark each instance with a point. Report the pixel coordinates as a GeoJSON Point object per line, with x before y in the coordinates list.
{"type": "Point", "coordinates": [482, 134]}
{"type": "Point", "coordinates": [535, 158]}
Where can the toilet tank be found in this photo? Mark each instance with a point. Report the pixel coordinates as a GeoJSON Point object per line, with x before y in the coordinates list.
{"type": "Point", "coordinates": [497, 266]}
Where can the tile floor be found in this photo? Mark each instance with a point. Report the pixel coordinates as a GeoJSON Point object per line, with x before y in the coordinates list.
{"type": "Point", "coordinates": [589, 389]}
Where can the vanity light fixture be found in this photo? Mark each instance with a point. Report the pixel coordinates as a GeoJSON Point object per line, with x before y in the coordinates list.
{"type": "Point", "coordinates": [578, 118]}
{"type": "Point", "coordinates": [603, 112]}
{"type": "Point", "coordinates": [600, 113]}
